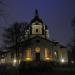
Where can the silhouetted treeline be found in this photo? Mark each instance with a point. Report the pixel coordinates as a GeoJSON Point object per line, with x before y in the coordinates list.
{"type": "Point", "coordinates": [13, 36]}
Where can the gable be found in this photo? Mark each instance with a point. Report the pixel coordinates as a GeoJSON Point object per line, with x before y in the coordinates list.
{"type": "Point", "coordinates": [38, 41]}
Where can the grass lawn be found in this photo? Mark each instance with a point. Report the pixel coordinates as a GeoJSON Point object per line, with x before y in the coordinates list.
{"type": "Point", "coordinates": [36, 70]}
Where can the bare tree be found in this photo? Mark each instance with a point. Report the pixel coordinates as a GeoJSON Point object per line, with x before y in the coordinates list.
{"type": "Point", "coordinates": [13, 37]}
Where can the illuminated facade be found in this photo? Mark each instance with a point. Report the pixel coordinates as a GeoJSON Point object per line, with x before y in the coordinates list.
{"type": "Point", "coordinates": [37, 46]}
{"type": "Point", "coordinates": [37, 38]}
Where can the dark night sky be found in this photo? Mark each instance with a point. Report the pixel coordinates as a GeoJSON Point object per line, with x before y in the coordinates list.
{"type": "Point", "coordinates": [57, 14]}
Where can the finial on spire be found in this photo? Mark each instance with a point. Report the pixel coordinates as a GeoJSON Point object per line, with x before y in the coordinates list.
{"type": "Point", "coordinates": [36, 13]}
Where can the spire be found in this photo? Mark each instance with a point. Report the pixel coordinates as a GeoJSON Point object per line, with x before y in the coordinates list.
{"type": "Point", "coordinates": [36, 17]}
{"type": "Point", "coordinates": [36, 13]}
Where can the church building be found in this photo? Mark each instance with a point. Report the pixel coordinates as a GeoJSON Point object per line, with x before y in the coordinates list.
{"type": "Point", "coordinates": [37, 45]}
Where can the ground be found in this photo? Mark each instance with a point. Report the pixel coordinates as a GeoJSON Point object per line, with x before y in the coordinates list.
{"type": "Point", "coordinates": [44, 69]}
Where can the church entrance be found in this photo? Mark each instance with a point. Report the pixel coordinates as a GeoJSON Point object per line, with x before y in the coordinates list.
{"type": "Point", "coordinates": [37, 54]}
{"type": "Point", "coordinates": [37, 58]}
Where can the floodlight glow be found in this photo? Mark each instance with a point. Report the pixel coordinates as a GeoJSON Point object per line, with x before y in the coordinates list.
{"type": "Point", "coordinates": [47, 58]}
{"type": "Point", "coordinates": [55, 53]}
{"type": "Point", "coordinates": [72, 62]}
{"type": "Point", "coordinates": [62, 60]}
{"type": "Point", "coordinates": [28, 59]}
{"type": "Point", "coordinates": [14, 61]}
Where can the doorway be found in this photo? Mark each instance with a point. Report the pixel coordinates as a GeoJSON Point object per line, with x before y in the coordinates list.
{"type": "Point", "coordinates": [37, 54]}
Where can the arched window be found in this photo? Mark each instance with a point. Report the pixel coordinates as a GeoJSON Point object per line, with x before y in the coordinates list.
{"type": "Point", "coordinates": [47, 54]}
{"type": "Point", "coordinates": [37, 50]}
{"type": "Point", "coordinates": [28, 55]}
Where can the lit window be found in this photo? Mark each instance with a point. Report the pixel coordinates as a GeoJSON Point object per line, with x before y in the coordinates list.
{"type": "Point", "coordinates": [37, 50]}
{"type": "Point", "coordinates": [46, 54]}
{"type": "Point", "coordinates": [28, 55]}
{"type": "Point", "coordinates": [28, 52]}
